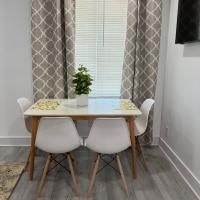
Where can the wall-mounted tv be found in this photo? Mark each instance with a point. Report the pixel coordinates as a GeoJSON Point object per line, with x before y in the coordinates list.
{"type": "Point", "coordinates": [188, 21]}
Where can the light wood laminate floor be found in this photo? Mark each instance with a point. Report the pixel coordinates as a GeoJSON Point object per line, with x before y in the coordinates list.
{"type": "Point", "coordinates": [162, 182]}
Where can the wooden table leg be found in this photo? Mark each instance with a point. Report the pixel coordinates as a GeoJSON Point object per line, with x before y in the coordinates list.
{"type": "Point", "coordinates": [32, 156]}
{"type": "Point", "coordinates": [133, 144]}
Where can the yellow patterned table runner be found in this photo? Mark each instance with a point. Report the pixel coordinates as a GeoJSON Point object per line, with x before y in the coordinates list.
{"type": "Point", "coordinates": [46, 105]}
{"type": "Point", "coordinates": [126, 105]}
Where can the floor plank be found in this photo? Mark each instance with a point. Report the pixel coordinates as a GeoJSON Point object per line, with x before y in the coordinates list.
{"type": "Point", "coordinates": [161, 182]}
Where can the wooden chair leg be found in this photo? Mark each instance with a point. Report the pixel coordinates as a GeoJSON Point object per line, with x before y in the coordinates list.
{"type": "Point", "coordinates": [73, 162]}
{"type": "Point", "coordinates": [142, 152]}
{"type": "Point", "coordinates": [72, 156]}
{"type": "Point", "coordinates": [75, 185]}
{"type": "Point", "coordinates": [137, 146]}
{"type": "Point", "coordinates": [93, 176]}
{"type": "Point", "coordinates": [46, 168]}
{"type": "Point", "coordinates": [122, 173]}
{"type": "Point", "coordinates": [92, 166]}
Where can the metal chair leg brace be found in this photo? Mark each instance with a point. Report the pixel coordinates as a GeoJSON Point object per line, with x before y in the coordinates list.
{"type": "Point", "coordinates": [108, 163]}
{"type": "Point", "coordinates": [54, 158]}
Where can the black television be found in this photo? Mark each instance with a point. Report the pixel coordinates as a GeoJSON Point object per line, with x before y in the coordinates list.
{"type": "Point", "coordinates": [188, 21]}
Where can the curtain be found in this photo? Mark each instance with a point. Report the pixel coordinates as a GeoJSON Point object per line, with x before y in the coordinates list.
{"type": "Point", "coordinates": [142, 53]}
{"type": "Point", "coordinates": [53, 48]}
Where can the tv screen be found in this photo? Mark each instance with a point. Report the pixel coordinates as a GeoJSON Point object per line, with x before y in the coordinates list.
{"type": "Point", "coordinates": [188, 21]}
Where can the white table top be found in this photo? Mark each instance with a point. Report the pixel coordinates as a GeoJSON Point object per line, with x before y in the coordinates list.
{"type": "Point", "coordinates": [96, 107]}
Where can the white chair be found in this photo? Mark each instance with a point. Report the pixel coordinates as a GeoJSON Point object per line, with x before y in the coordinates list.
{"type": "Point", "coordinates": [57, 136]}
{"type": "Point", "coordinates": [24, 104]}
{"type": "Point", "coordinates": [108, 136]}
{"type": "Point", "coordinates": [141, 123]}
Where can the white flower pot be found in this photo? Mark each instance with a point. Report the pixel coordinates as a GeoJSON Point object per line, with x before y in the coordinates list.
{"type": "Point", "coordinates": [82, 100]}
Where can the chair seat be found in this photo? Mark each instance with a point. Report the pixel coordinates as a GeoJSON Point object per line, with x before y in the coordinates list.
{"type": "Point", "coordinates": [56, 147]}
{"type": "Point", "coordinates": [57, 135]}
{"type": "Point", "coordinates": [108, 136]}
{"type": "Point", "coordinates": [105, 147]}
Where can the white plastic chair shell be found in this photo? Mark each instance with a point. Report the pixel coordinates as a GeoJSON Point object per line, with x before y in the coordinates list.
{"type": "Point", "coordinates": [57, 135]}
{"type": "Point", "coordinates": [142, 121]}
{"type": "Point", "coordinates": [108, 136]}
{"type": "Point", "coordinates": [24, 104]}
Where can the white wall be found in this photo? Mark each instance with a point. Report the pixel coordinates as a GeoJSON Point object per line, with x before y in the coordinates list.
{"type": "Point", "coordinates": [15, 63]}
{"type": "Point", "coordinates": [161, 71]}
{"type": "Point", "coordinates": [181, 100]}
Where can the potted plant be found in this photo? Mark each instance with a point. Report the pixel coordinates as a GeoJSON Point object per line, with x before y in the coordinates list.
{"type": "Point", "coordinates": [82, 81]}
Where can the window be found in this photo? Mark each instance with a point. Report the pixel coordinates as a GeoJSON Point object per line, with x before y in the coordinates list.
{"type": "Point", "coordinates": [100, 39]}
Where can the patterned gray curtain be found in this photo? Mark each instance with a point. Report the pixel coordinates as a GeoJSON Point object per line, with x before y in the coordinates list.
{"type": "Point", "coordinates": [142, 53]}
{"type": "Point", "coordinates": [53, 48]}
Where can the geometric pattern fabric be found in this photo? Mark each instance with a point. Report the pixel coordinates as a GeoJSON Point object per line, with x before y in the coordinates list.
{"type": "Point", "coordinates": [53, 48]}
{"type": "Point", "coordinates": [141, 55]}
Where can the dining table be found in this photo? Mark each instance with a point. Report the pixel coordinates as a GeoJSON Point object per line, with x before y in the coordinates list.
{"type": "Point", "coordinates": [96, 108]}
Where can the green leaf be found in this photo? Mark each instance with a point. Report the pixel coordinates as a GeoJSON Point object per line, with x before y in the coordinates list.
{"type": "Point", "coordinates": [82, 80]}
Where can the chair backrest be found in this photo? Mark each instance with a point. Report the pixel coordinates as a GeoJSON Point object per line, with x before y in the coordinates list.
{"type": "Point", "coordinates": [108, 136]}
{"type": "Point", "coordinates": [142, 121]}
{"type": "Point", "coordinates": [57, 135]}
{"type": "Point", "coordinates": [24, 104]}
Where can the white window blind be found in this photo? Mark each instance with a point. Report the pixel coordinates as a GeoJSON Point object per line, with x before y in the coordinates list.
{"type": "Point", "coordinates": [100, 39]}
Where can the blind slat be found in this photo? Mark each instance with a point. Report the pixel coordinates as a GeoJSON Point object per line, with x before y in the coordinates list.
{"type": "Point", "coordinates": [100, 38]}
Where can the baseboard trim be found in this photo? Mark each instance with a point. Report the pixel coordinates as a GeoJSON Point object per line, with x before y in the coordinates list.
{"type": "Point", "coordinates": [26, 141]}
{"type": "Point", "coordinates": [190, 179]}
{"type": "Point", "coordinates": [15, 140]}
